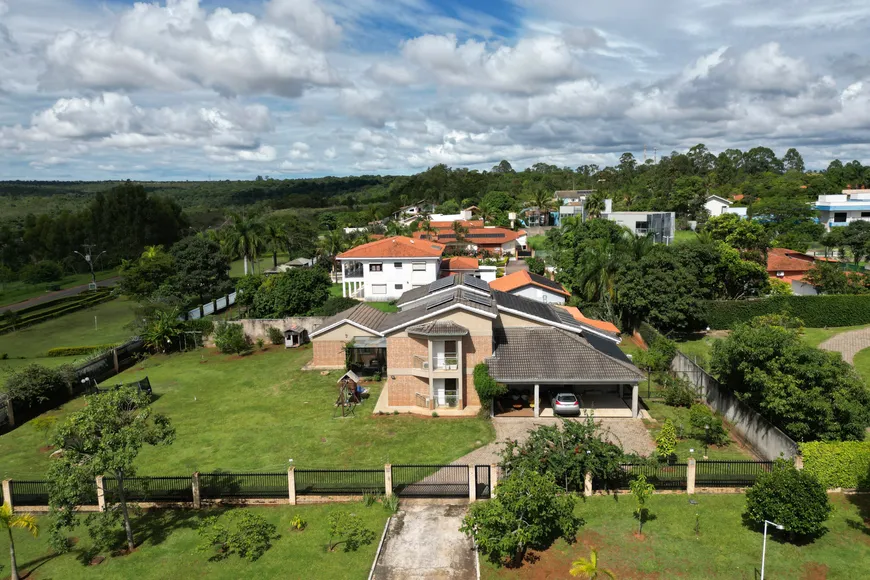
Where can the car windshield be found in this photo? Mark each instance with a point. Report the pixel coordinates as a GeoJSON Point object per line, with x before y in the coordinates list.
{"type": "Point", "coordinates": [566, 399]}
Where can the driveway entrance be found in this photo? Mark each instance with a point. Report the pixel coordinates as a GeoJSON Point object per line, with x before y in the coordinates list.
{"type": "Point", "coordinates": [423, 542]}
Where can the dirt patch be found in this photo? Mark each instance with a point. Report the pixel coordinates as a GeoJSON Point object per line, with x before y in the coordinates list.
{"type": "Point", "coordinates": [46, 449]}
{"type": "Point", "coordinates": [96, 561]}
{"type": "Point", "coordinates": [814, 571]}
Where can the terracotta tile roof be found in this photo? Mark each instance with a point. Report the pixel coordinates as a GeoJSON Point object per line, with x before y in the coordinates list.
{"type": "Point", "coordinates": [395, 247]}
{"type": "Point", "coordinates": [477, 236]}
{"type": "Point", "coordinates": [785, 260]}
{"type": "Point", "coordinates": [524, 278]}
{"type": "Point", "coordinates": [465, 223]}
{"type": "Point", "coordinates": [739, 197]}
{"type": "Point", "coordinates": [456, 264]}
{"type": "Point", "coordinates": [599, 324]}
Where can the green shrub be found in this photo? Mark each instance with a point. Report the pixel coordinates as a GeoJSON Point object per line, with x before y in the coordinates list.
{"type": "Point", "coordinates": [230, 338]}
{"type": "Point", "coordinates": [814, 311]}
{"type": "Point", "coordinates": [666, 442]}
{"type": "Point", "coordinates": [790, 497]}
{"type": "Point", "coordinates": [659, 356]}
{"type": "Point", "coordinates": [487, 388]}
{"type": "Point", "coordinates": [249, 535]}
{"type": "Point", "coordinates": [203, 325]}
{"type": "Point", "coordinates": [701, 416]}
{"type": "Point", "coordinates": [334, 305]}
{"type": "Point", "coordinates": [36, 384]}
{"type": "Point", "coordinates": [297, 523]}
{"type": "Point", "coordinates": [677, 392]}
{"type": "Point", "coordinates": [79, 350]}
{"type": "Point", "coordinates": [391, 503]}
{"type": "Point", "coordinates": [536, 266]}
{"type": "Point", "coordinates": [838, 464]}
{"type": "Point", "coordinates": [275, 335]}
{"type": "Point", "coordinates": [348, 529]}
{"type": "Point", "coordinates": [41, 272]}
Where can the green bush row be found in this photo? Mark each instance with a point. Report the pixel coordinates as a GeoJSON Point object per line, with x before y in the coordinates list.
{"type": "Point", "coordinates": [64, 301]}
{"type": "Point", "coordinates": [45, 310]}
{"type": "Point", "coordinates": [815, 311]}
{"type": "Point", "coordinates": [79, 350]}
{"type": "Point", "coordinates": [55, 313]}
{"type": "Point", "coordinates": [843, 464]}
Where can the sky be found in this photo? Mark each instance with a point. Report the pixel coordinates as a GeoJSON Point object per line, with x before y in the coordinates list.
{"type": "Point", "coordinates": [217, 89]}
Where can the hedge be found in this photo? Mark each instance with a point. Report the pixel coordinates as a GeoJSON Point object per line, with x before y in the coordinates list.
{"type": "Point", "coordinates": [79, 350]}
{"type": "Point", "coordinates": [26, 321]}
{"type": "Point", "coordinates": [843, 464]}
{"type": "Point", "coordinates": [815, 311]}
{"type": "Point", "coordinates": [63, 301]}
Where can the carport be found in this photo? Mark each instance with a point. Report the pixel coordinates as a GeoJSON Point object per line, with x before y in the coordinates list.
{"type": "Point", "coordinates": [545, 361]}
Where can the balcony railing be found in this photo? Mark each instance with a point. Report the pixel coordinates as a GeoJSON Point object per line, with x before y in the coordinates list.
{"type": "Point", "coordinates": [446, 362]}
{"type": "Point", "coordinates": [421, 362]}
{"type": "Point", "coordinates": [355, 271]}
{"type": "Point", "coordinates": [447, 401]}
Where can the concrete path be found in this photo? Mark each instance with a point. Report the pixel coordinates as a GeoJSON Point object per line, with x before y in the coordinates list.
{"type": "Point", "coordinates": [423, 542]}
{"type": "Point", "coordinates": [48, 297]}
{"type": "Point", "coordinates": [515, 266]}
{"type": "Point", "coordinates": [631, 434]}
{"type": "Point", "coordinates": [848, 343]}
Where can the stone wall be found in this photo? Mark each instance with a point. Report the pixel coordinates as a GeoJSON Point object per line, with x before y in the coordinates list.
{"type": "Point", "coordinates": [767, 440]}
{"type": "Point", "coordinates": [259, 327]}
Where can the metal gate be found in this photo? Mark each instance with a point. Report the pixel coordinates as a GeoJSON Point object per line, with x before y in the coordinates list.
{"type": "Point", "coordinates": [430, 480]}
{"type": "Point", "coordinates": [481, 476]}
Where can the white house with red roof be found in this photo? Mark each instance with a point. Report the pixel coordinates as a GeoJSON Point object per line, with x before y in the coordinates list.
{"type": "Point", "coordinates": [533, 286]}
{"type": "Point", "coordinates": [383, 270]}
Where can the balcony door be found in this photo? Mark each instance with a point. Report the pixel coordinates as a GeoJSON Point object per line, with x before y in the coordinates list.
{"type": "Point", "coordinates": [446, 392]}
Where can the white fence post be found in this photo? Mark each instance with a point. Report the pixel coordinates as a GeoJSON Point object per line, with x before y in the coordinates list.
{"type": "Point", "coordinates": [472, 483]}
{"type": "Point", "coordinates": [7, 492]}
{"type": "Point", "coordinates": [388, 480]}
{"type": "Point", "coordinates": [690, 475]}
{"type": "Point", "coordinates": [291, 484]}
{"type": "Point", "coordinates": [194, 485]}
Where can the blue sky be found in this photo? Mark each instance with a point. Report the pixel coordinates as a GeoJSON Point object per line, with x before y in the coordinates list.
{"type": "Point", "coordinates": [288, 88]}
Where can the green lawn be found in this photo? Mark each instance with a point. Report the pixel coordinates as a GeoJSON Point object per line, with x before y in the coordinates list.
{"type": "Point", "coordinates": [538, 242]}
{"type": "Point", "coordinates": [724, 548]}
{"type": "Point", "coordinates": [167, 549]}
{"type": "Point", "coordinates": [682, 236]}
{"type": "Point", "coordinates": [335, 292]}
{"type": "Point", "coordinates": [19, 291]}
{"type": "Point", "coordinates": [237, 267]}
{"type": "Point", "coordinates": [862, 364]}
{"type": "Point", "coordinates": [254, 413]}
{"type": "Point", "coordinates": [680, 417]}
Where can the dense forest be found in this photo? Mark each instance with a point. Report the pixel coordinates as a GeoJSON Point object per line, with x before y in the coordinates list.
{"type": "Point", "coordinates": [48, 220]}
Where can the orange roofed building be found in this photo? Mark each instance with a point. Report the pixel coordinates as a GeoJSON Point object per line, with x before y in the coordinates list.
{"type": "Point", "coordinates": [792, 267]}
{"type": "Point", "coordinates": [532, 286]}
{"type": "Point", "coordinates": [494, 240]}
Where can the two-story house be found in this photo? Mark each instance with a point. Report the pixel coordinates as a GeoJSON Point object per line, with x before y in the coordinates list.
{"type": "Point", "coordinates": [432, 345]}
{"type": "Point", "coordinates": [841, 210]}
{"type": "Point", "coordinates": [381, 271]}
{"type": "Point", "coordinates": [534, 286]}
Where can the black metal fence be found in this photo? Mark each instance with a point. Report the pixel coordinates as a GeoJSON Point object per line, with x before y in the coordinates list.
{"type": "Point", "coordinates": [147, 489]}
{"type": "Point", "coordinates": [483, 481]}
{"type": "Point", "coordinates": [729, 473]}
{"type": "Point", "coordinates": [662, 476]}
{"type": "Point", "coordinates": [243, 485]}
{"type": "Point", "coordinates": [339, 481]}
{"type": "Point", "coordinates": [29, 492]}
{"type": "Point", "coordinates": [430, 480]}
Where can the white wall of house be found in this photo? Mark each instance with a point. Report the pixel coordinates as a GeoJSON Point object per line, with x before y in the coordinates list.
{"type": "Point", "coordinates": [716, 206]}
{"type": "Point", "coordinates": [487, 273]}
{"type": "Point", "coordinates": [842, 209]}
{"type": "Point", "coordinates": [385, 279]}
{"type": "Point", "coordinates": [539, 294]}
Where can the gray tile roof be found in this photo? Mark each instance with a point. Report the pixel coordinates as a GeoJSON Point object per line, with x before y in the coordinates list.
{"type": "Point", "coordinates": [455, 280]}
{"type": "Point", "coordinates": [551, 355]}
{"type": "Point", "coordinates": [457, 296]}
{"type": "Point", "coordinates": [362, 314]}
{"type": "Point", "coordinates": [438, 328]}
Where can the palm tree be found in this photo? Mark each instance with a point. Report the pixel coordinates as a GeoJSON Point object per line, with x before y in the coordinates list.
{"type": "Point", "coordinates": [151, 252]}
{"type": "Point", "coordinates": [460, 231]}
{"type": "Point", "coordinates": [487, 214]}
{"type": "Point", "coordinates": [588, 568]}
{"type": "Point", "coordinates": [244, 237]}
{"type": "Point", "coordinates": [594, 205]}
{"type": "Point", "coordinates": [331, 244]}
{"type": "Point", "coordinates": [638, 246]}
{"type": "Point", "coordinates": [599, 267]}
{"type": "Point", "coordinates": [425, 225]}
{"type": "Point", "coordinates": [395, 228]}
{"type": "Point", "coordinates": [544, 201]}
{"type": "Point", "coordinates": [275, 238]}
{"type": "Point", "coordinates": [24, 521]}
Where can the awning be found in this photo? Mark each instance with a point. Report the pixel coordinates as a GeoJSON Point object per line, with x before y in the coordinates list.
{"type": "Point", "coordinates": [369, 342]}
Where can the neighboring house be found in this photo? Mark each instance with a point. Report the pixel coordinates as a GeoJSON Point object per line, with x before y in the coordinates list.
{"type": "Point", "coordinates": [572, 204]}
{"type": "Point", "coordinates": [470, 266]}
{"type": "Point", "coordinates": [533, 286]}
{"type": "Point", "coordinates": [413, 210]}
{"type": "Point", "coordinates": [716, 205]}
{"type": "Point", "coordinates": [442, 331]}
{"type": "Point", "coordinates": [843, 209]}
{"type": "Point", "coordinates": [465, 215]}
{"type": "Point", "coordinates": [792, 267]}
{"type": "Point", "coordinates": [659, 224]}
{"type": "Point", "coordinates": [291, 265]}
{"type": "Point", "coordinates": [382, 270]}
{"type": "Point", "coordinates": [495, 240]}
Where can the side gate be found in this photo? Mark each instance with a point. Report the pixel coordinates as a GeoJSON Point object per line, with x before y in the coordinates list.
{"type": "Point", "coordinates": [430, 480]}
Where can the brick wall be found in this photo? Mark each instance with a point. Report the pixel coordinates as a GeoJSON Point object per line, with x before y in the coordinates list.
{"type": "Point", "coordinates": [401, 390]}
{"type": "Point", "coordinates": [469, 393]}
{"type": "Point", "coordinates": [328, 354]}
{"type": "Point", "coordinates": [475, 349]}
{"type": "Point", "coordinates": [401, 351]}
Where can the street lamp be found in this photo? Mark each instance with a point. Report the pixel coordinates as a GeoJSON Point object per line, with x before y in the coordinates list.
{"type": "Point", "coordinates": [90, 260]}
{"type": "Point", "coordinates": [764, 543]}
{"type": "Point", "coordinates": [706, 439]}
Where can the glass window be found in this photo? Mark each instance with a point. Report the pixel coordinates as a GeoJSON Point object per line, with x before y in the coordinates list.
{"type": "Point", "coordinates": [376, 267]}
{"type": "Point", "coordinates": [418, 266]}
{"type": "Point", "coordinates": [379, 288]}
{"type": "Point", "coordinates": [397, 265]}
{"type": "Point", "coordinates": [840, 217]}
{"type": "Point", "coordinates": [865, 214]}
{"type": "Point", "coordinates": [398, 286]}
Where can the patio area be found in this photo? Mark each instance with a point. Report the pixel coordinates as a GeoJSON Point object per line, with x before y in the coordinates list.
{"type": "Point", "coordinates": [602, 402]}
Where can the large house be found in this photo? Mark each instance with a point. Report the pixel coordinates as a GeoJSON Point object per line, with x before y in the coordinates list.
{"type": "Point", "coordinates": [660, 225]}
{"type": "Point", "coordinates": [445, 329]}
{"type": "Point", "coordinates": [845, 208]}
{"type": "Point", "coordinates": [383, 270]}
{"type": "Point", "coordinates": [716, 205]}
{"type": "Point", "coordinates": [533, 286]}
{"type": "Point", "coordinates": [493, 240]}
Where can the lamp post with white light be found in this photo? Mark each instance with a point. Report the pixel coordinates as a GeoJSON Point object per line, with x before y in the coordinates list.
{"type": "Point", "coordinates": [764, 543]}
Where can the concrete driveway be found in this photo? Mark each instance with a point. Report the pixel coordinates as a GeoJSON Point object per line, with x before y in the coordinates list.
{"type": "Point", "coordinates": [423, 542]}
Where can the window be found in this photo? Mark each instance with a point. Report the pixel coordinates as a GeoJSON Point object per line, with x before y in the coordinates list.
{"type": "Point", "coordinates": [379, 288]}
{"type": "Point", "coordinates": [376, 267]}
{"type": "Point", "coordinates": [398, 286]}
{"type": "Point", "coordinates": [865, 214]}
{"type": "Point", "coordinates": [780, 274]}
{"type": "Point", "coordinates": [397, 265]}
{"type": "Point", "coordinates": [840, 217]}
{"type": "Point", "coordinates": [418, 266]}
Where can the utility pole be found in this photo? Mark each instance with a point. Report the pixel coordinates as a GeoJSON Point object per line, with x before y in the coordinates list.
{"type": "Point", "coordinates": [89, 258]}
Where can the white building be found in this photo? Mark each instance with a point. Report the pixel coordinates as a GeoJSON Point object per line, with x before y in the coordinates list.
{"type": "Point", "coordinates": [716, 205]}
{"type": "Point", "coordinates": [659, 224]}
{"type": "Point", "coordinates": [843, 209]}
{"type": "Point", "coordinates": [383, 270]}
{"type": "Point", "coordinates": [531, 286]}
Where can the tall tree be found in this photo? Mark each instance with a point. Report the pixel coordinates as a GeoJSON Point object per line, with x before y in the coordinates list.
{"type": "Point", "coordinates": [201, 268]}
{"type": "Point", "coordinates": [792, 160]}
{"type": "Point", "coordinates": [275, 239]}
{"type": "Point", "coordinates": [330, 245]}
{"type": "Point", "coordinates": [9, 521]}
{"type": "Point", "coordinates": [103, 438]}
{"type": "Point", "coordinates": [244, 237]}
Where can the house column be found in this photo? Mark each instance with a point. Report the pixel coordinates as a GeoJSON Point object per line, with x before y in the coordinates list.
{"type": "Point", "coordinates": [537, 400]}
{"type": "Point", "coordinates": [460, 382]}
{"type": "Point", "coordinates": [343, 282]}
{"type": "Point", "coordinates": [634, 404]}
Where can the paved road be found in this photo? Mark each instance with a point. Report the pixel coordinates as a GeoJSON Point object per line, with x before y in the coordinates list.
{"type": "Point", "coordinates": [515, 266]}
{"type": "Point", "coordinates": [848, 343]}
{"type": "Point", "coordinates": [423, 542]}
{"type": "Point", "coordinates": [49, 296]}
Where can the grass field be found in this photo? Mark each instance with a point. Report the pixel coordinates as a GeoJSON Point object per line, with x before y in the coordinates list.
{"type": "Point", "coordinates": [686, 441]}
{"type": "Point", "coordinates": [254, 413]}
{"type": "Point", "coordinates": [237, 267]}
{"type": "Point", "coordinates": [724, 548]}
{"type": "Point", "coordinates": [18, 291]}
{"type": "Point", "coordinates": [335, 291]}
{"type": "Point", "coordinates": [682, 236]}
{"type": "Point", "coordinates": [862, 364]}
{"type": "Point", "coordinates": [538, 242]}
{"type": "Point", "coordinates": [167, 542]}
{"type": "Point", "coordinates": [74, 329]}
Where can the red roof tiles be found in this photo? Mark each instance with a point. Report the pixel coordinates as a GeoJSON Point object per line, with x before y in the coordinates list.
{"type": "Point", "coordinates": [395, 247]}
